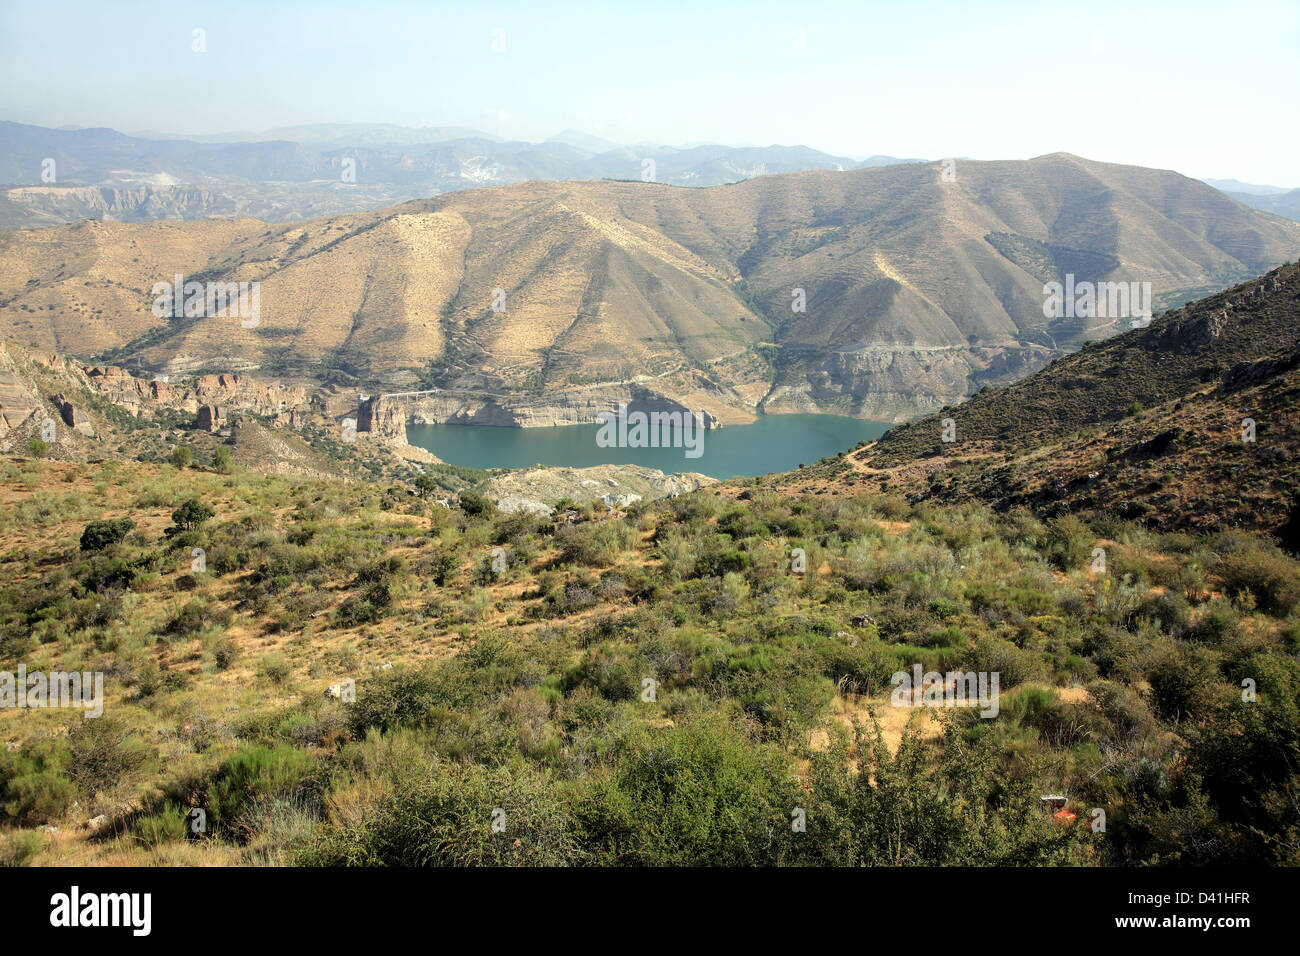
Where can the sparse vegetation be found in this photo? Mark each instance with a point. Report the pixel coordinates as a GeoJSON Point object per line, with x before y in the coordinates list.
{"type": "Point", "coordinates": [523, 689]}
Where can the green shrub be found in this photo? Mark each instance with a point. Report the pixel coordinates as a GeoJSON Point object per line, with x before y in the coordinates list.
{"type": "Point", "coordinates": [475, 505]}
{"type": "Point", "coordinates": [191, 515]}
{"type": "Point", "coordinates": [168, 825]}
{"type": "Point", "coordinates": [275, 668]}
{"type": "Point", "coordinates": [256, 774]}
{"type": "Point", "coordinates": [1069, 543]}
{"type": "Point", "coordinates": [34, 786]}
{"type": "Point", "coordinates": [436, 812]}
{"type": "Point", "coordinates": [705, 793]}
{"type": "Point", "coordinates": [400, 697]}
{"type": "Point", "coordinates": [443, 564]}
{"type": "Point", "coordinates": [1012, 664]}
{"type": "Point", "coordinates": [224, 653]}
{"type": "Point", "coordinates": [1181, 683]}
{"type": "Point", "coordinates": [1271, 577]}
{"type": "Point", "coordinates": [101, 535]}
{"type": "Point", "coordinates": [1123, 707]}
{"type": "Point", "coordinates": [196, 616]}
{"type": "Point", "coordinates": [104, 753]}
{"type": "Point", "coordinates": [222, 460]}
{"type": "Point", "coordinates": [19, 847]}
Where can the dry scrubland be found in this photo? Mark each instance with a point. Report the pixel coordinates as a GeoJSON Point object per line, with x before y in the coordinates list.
{"type": "Point", "coordinates": [522, 690]}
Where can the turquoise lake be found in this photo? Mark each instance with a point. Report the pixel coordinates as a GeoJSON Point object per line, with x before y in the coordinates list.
{"type": "Point", "coordinates": [773, 443]}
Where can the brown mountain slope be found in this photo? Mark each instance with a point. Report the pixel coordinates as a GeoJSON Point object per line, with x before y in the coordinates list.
{"type": "Point", "coordinates": [917, 290]}
{"type": "Point", "coordinates": [1191, 423]}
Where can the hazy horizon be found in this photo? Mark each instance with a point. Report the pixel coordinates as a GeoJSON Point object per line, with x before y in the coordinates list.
{"type": "Point", "coordinates": [1155, 85]}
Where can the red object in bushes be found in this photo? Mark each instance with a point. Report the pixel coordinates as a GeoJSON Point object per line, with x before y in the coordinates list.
{"type": "Point", "coordinates": [1065, 816]}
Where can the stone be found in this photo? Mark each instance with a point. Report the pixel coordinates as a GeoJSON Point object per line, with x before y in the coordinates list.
{"type": "Point", "coordinates": [209, 418]}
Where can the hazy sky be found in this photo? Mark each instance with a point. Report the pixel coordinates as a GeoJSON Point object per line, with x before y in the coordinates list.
{"type": "Point", "coordinates": [1209, 89]}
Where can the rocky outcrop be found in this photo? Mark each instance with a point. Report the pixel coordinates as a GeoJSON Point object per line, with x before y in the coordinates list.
{"type": "Point", "coordinates": [17, 397]}
{"type": "Point", "coordinates": [246, 394]}
{"type": "Point", "coordinates": [209, 418]}
{"type": "Point", "coordinates": [382, 417]}
{"type": "Point", "coordinates": [890, 383]}
{"type": "Point", "coordinates": [583, 485]}
{"type": "Point", "coordinates": [1249, 374]}
{"type": "Point", "coordinates": [228, 392]}
{"type": "Point", "coordinates": [619, 501]}
{"type": "Point", "coordinates": [124, 390]}
{"type": "Point", "coordinates": [510, 504]}
{"type": "Point", "coordinates": [1189, 334]}
{"type": "Point", "coordinates": [71, 417]}
{"type": "Point", "coordinates": [578, 406]}
{"type": "Point", "coordinates": [293, 419]}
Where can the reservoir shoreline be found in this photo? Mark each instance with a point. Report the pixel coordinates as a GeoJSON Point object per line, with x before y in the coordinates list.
{"type": "Point", "coordinates": [773, 443]}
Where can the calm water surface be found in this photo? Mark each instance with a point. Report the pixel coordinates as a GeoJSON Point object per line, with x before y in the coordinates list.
{"type": "Point", "coordinates": [773, 443]}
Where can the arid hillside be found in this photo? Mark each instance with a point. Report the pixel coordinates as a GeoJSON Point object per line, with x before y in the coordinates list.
{"type": "Point", "coordinates": [1192, 423]}
{"type": "Point", "coordinates": [876, 292]}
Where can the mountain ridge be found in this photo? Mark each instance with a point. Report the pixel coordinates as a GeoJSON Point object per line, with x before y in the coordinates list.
{"type": "Point", "coordinates": [915, 291]}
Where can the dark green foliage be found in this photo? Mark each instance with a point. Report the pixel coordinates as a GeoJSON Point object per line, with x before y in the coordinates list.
{"type": "Point", "coordinates": [1270, 577]}
{"type": "Point", "coordinates": [191, 515]}
{"type": "Point", "coordinates": [400, 697]}
{"type": "Point", "coordinates": [706, 793]}
{"type": "Point", "coordinates": [222, 460]}
{"type": "Point", "coordinates": [1182, 682]}
{"type": "Point", "coordinates": [196, 616]}
{"type": "Point", "coordinates": [442, 813]}
{"type": "Point", "coordinates": [910, 811]}
{"type": "Point", "coordinates": [101, 535]}
{"type": "Point", "coordinates": [475, 505]}
{"type": "Point", "coordinates": [34, 785]}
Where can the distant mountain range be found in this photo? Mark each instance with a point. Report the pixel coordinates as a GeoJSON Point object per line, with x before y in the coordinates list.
{"type": "Point", "coordinates": [1283, 204]}
{"type": "Point", "coordinates": [879, 292]}
{"type": "Point", "coordinates": [1234, 186]}
{"type": "Point", "coordinates": [292, 173]}
{"type": "Point", "coordinates": [1274, 199]}
{"type": "Point", "coordinates": [307, 171]}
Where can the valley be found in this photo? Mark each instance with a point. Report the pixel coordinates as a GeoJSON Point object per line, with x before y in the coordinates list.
{"type": "Point", "coordinates": [371, 638]}
{"type": "Point", "coordinates": [880, 293]}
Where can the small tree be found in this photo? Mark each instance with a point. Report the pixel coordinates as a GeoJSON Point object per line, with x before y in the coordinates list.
{"type": "Point", "coordinates": [191, 515]}
{"type": "Point", "coordinates": [182, 456]}
{"type": "Point", "coordinates": [99, 535]}
{"type": "Point", "coordinates": [38, 448]}
{"type": "Point", "coordinates": [474, 504]}
{"type": "Point", "coordinates": [444, 565]}
{"type": "Point", "coordinates": [222, 460]}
